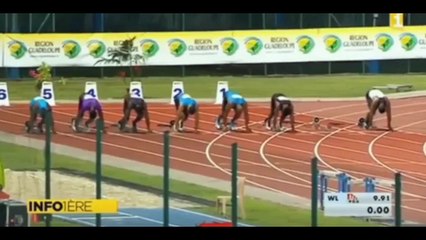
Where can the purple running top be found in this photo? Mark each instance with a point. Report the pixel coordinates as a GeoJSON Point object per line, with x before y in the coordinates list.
{"type": "Point", "coordinates": [91, 104]}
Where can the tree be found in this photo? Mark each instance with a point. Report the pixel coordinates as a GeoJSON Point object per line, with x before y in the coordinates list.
{"type": "Point", "coordinates": [43, 73]}
{"type": "Point", "coordinates": [123, 54]}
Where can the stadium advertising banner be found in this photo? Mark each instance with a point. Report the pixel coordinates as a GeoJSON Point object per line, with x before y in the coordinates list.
{"type": "Point", "coordinates": [219, 47]}
{"type": "Point", "coordinates": [58, 50]}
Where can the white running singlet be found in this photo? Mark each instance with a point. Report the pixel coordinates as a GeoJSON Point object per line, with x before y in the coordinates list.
{"type": "Point", "coordinates": [375, 94]}
{"type": "Point", "coordinates": [282, 98]}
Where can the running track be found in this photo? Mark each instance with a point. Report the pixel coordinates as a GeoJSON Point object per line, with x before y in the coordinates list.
{"type": "Point", "coordinates": [276, 161]}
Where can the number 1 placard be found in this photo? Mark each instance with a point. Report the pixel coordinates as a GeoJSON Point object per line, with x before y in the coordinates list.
{"type": "Point", "coordinates": [396, 20]}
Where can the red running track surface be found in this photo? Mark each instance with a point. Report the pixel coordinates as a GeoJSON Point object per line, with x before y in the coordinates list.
{"type": "Point", "coordinates": [279, 162]}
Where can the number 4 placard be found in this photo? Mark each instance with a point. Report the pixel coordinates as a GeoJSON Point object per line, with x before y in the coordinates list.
{"type": "Point", "coordinates": [92, 89]}
{"type": "Point", "coordinates": [47, 93]}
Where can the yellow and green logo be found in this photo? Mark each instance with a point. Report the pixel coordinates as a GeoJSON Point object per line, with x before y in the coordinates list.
{"type": "Point", "coordinates": [149, 47]}
{"type": "Point", "coordinates": [384, 42]}
{"type": "Point", "coordinates": [96, 48]}
{"type": "Point", "coordinates": [332, 43]}
{"type": "Point", "coordinates": [177, 47]}
{"type": "Point", "coordinates": [253, 45]}
{"type": "Point", "coordinates": [408, 41]}
{"type": "Point", "coordinates": [229, 46]}
{"type": "Point", "coordinates": [305, 43]}
{"type": "Point", "coordinates": [17, 49]}
{"type": "Point", "coordinates": [71, 48]}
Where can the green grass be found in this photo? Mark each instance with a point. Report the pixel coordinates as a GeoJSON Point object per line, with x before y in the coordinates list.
{"type": "Point", "coordinates": [205, 87]}
{"type": "Point", "coordinates": [259, 212]}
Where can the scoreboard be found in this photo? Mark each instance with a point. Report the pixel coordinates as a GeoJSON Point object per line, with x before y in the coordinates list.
{"type": "Point", "coordinates": [358, 204]}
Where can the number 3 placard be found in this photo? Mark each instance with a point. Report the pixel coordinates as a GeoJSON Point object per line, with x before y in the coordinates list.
{"type": "Point", "coordinates": [136, 90]}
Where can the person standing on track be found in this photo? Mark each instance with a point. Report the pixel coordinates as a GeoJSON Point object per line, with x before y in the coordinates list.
{"type": "Point", "coordinates": [232, 100]}
{"type": "Point", "coordinates": [185, 106]}
{"type": "Point", "coordinates": [280, 103]}
{"type": "Point", "coordinates": [137, 103]}
{"type": "Point", "coordinates": [376, 100]}
{"type": "Point", "coordinates": [88, 103]}
{"type": "Point", "coordinates": [39, 107]}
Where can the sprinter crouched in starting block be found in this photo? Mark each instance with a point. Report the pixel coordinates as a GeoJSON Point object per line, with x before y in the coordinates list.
{"type": "Point", "coordinates": [280, 104]}
{"type": "Point", "coordinates": [137, 103]}
{"type": "Point", "coordinates": [87, 103]}
{"type": "Point", "coordinates": [39, 107]}
{"type": "Point", "coordinates": [232, 100]}
{"type": "Point", "coordinates": [185, 106]}
{"type": "Point", "coordinates": [377, 100]}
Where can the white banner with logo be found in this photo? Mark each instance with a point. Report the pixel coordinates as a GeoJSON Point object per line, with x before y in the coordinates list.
{"type": "Point", "coordinates": [220, 47]}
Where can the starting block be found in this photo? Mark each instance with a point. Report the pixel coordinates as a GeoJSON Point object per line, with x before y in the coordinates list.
{"type": "Point", "coordinates": [80, 128]}
{"type": "Point", "coordinates": [362, 123]}
{"type": "Point", "coordinates": [35, 129]}
{"type": "Point", "coordinates": [218, 122]}
{"type": "Point", "coordinates": [267, 125]}
{"type": "Point", "coordinates": [180, 128]}
{"type": "Point", "coordinates": [281, 129]}
{"type": "Point", "coordinates": [319, 125]}
{"type": "Point", "coordinates": [219, 125]}
{"type": "Point", "coordinates": [172, 123]}
{"type": "Point", "coordinates": [316, 123]}
{"type": "Point", "coordinates": [126, 129]}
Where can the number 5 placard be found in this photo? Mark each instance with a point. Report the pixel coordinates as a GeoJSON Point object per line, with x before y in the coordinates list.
{"type": "Point", "coordinates": [47, 93]}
